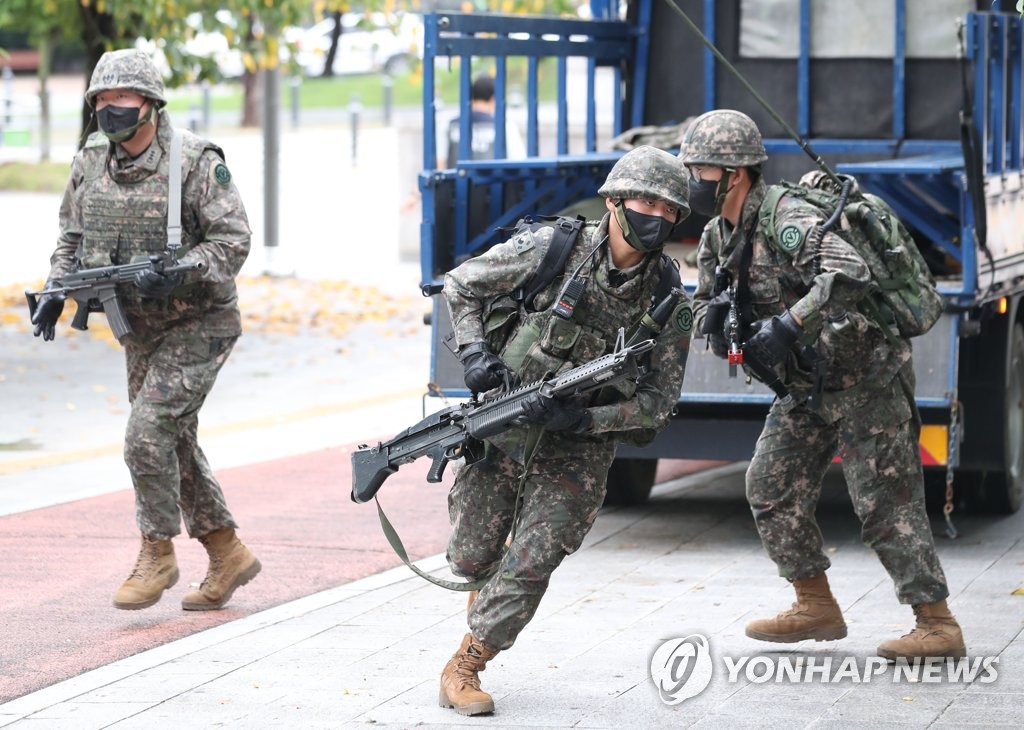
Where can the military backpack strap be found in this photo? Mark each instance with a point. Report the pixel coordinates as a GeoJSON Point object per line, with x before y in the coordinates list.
{"type": "Point", "coordinates": [174, 194]}
{"type": "Point", "coordinates": [565, 232]}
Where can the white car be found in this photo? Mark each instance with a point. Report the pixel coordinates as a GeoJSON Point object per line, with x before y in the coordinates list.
{"type": "Point", "coordinates": [368, 43]}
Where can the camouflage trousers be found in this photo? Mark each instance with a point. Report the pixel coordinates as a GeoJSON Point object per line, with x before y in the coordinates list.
{"type": "Point", "coordinates": [561, 498]}
{"type": "Point", "coordinates": [878, 444]}
{"type": "Point", "coordinates": [170, 373]}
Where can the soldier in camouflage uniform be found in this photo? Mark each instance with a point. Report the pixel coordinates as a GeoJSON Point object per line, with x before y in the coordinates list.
{"type": "Point", "coordinates": [115, 211]}
{"type": "Point", "coordinates": [802, 294]}
{"type": "Point", "coordinates": [620, 260]}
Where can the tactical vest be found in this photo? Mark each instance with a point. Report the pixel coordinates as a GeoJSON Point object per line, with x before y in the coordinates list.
{"type": "Point", "coordinates": [124, 219]}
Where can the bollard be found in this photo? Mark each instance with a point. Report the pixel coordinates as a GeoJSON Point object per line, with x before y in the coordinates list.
{"type": "Point", "coordinates": [389, 85]}
{"type": "Point", "coordinates": [8, 94]}
{"type": "Point", "coordinates": [205, 86]}
{"type": "Point", "coordinates": [355, 107]}
{"type": "Point", "coordinates": [294, 84]}
{"type": "Point", "coordinates": [193, 119]}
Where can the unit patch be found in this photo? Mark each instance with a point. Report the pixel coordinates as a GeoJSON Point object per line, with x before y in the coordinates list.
{"type": "Point", "coordinates": [790, 238]}
{"type": "Point", "coordinates": [221, 173]}
{"type": "Point", "coordinates": [523, 241]}
{"type": "Point", "coordinates": [684, 318]}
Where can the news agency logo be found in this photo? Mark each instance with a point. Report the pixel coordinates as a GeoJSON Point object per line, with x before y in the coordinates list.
{"type": "Point", "coordinates": [682, 668]}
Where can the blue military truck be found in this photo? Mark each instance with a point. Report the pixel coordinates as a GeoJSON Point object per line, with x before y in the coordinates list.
{"type": "Point", "coordinates": [920, 101]}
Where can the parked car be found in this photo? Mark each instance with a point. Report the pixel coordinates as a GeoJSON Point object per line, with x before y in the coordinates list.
{"type": "Point", "coordinates": [208, 49]}
{"type": "Point", "coordinates": [369, 43]}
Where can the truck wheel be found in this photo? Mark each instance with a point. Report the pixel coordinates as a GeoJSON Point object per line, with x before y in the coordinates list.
{"type": "Point", "coordinates": [630, 481]}
{"type": "Point", "coordinates": [1002, 492]}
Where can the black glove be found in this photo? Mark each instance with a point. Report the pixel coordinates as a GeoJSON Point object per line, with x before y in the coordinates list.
{"type": "Point", "coordinates": [47, 313]}
{"type": "Point", "coordinates": [482, 369]}
{"type": "Point", "coordinates": [773, 341]}
{"type": "Point", "coordinates": [717, 316]}
{"type": "Point", "coordinates": [556, 415]}
{"type": "Point", "coordinates": [719, 345]}
{"type": "Point", "coordinates": [155, 285]}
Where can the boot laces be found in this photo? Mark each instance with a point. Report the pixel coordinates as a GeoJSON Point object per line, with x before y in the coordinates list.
{"type": "Point", "coordinates": [467, 666]}
{"type": "Point", "coordinates": [214, 571]}
{"type": "Point", "coordinates": [146, 560]}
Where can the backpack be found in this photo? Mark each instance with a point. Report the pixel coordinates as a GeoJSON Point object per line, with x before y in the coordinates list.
{"type": "Point", "coordinates": [903, 292]}
{"type": "Point", "coordinates": [501, 313]}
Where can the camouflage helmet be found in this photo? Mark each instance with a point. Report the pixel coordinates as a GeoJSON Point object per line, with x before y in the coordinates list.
{"type": "Point", "coordinates": [648, 172]}
{"type": "Point", "coordinates": [128, 68]}
{"type": "Point", "coordinates": [723, 138]}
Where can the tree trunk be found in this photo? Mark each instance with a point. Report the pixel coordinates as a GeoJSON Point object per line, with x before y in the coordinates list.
{"type": "Point", "coordinates": [252, 98]}
{"type": "Point", "coordinates": [96, 28]}
{"type": "Point", "coordinates": [332, 52]}
{"type": "Point", "coordinates": [252, 87]}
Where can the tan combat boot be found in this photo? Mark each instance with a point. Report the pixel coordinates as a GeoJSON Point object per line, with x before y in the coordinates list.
{"type": "Point", "coordinates": [470, 598]}
{"type": "Point", "coordinates": [460, 685]}
{"type": "Point", "coordinates": [815, 615]}
{"type": "Point", "coordinates": [232, 565]}
{"type": "Point", "coordinates": [155, 571]}
{"type": "Point", "coordinates": [937, 634]}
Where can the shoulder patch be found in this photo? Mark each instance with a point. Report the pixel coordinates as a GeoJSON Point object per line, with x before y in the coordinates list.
{"type": "Point", "coordinates": [683, 318]}
{"type": "Point", "coordinates": [791, 238]}
{"type": "Point", "coordinates": [523, 241]}
{"type": "Point", "coordinates": [221, 173]}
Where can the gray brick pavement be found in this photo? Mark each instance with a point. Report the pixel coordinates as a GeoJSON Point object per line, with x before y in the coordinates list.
{"type": "Point", "coordinates": [690, 562]}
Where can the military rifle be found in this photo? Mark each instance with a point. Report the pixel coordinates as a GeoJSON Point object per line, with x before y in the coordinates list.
{"type": "Point", "coordinates": [451, 432]}
{"type": "Point", "coordinates": [96, 289]}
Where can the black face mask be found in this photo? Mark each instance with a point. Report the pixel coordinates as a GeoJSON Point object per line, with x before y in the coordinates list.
{"type": "Point", "coordinates": [643, 232]}
{"type": "Point", "coordinates": [707, 196]}
{"type": "Point", "coordinates": [120, 123]}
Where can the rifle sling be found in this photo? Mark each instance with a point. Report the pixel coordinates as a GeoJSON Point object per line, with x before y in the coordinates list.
{"type": "Point", "coordinates": [174, 195]}
{"type": "Point", "coordinates": [533, 440]}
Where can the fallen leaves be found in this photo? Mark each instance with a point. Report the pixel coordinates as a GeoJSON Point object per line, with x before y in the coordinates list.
{"type": "Point", "coordinates": [280, 305]}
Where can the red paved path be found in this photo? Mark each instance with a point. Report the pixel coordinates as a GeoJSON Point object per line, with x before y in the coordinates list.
{"type": "Point", "coordinates": [59, 566]}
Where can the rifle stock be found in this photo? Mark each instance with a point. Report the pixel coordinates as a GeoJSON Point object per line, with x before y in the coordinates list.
{"type": "Point", "coordinates": [445, 435]}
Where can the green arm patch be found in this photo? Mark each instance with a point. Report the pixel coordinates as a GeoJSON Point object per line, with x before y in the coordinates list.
{"type": "Point", "coordinates": [221, 173]}
{"type": "Point", "coordinates": [683, 318]}
{"type": "Point", "coordinates": [791, 238]}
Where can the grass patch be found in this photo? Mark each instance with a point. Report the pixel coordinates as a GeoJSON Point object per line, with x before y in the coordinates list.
{"type": "Point", "coordinates": [40, 177]}
{"type": "Point", "coordinates": [368, 89]}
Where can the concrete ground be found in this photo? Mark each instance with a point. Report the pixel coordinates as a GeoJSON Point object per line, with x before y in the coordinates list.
{"type": "Point", "coordinates": [688, 564]}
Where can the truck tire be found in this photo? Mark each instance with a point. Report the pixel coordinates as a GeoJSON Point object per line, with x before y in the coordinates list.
{"type": "Point", "coordinates": [630, 481]}
{"type": "Point", "coordinates": [992, 457]}
{"type": "Point", "coordinates": [1003, 491]}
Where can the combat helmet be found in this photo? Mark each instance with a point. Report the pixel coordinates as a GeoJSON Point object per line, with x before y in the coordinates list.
{"type": "Point", "coordinates": [648, 172]}
{"type": "Point", "coordinates": [723, 138]}
{"type": "Point", "coordinates": [128, 68]}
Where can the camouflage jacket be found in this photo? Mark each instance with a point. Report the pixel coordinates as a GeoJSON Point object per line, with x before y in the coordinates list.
{"type": "Point", "coordinates": [859, 357]}
{"type": "Point", "coordinates": [114, 211]}
{"type": "Point", "coordinates": [539, 344]}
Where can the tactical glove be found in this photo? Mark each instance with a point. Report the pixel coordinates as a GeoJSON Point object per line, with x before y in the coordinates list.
{"type": "Point", "coordinates": [773, 341]}
{"type": "Point", "coordinates": [156, 285]}
{"type": "Point", "coordinates": [482, 369]}
{"type": "Point", "coordinates": [47, 313]}
{"type": "Point", "coordinates": [716, 317]}
{"type": "Point", "coordinates": [556, 415]}
{"type": "Point", "coordinates": [719, 345]}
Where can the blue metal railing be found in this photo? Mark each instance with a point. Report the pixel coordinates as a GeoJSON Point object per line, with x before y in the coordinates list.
{"type": "Point", "coordinates": [486, 40]}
